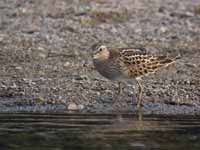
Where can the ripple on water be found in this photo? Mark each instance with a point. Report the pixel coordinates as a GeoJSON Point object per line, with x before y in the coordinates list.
{"type": "Point", "coordinates": [102, 131]}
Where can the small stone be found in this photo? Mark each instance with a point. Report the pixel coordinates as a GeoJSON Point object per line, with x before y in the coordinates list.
{"type": "Point", "coordinates": [23, 10]}
{"type": "Point", "coordinates": [41, 49]}
{"type": "Point", "coordinates": [138, 30]}
{"type": "Point", "coordinates": [82, 77]}
{"type": "Point", "coordinates": [41, 72]}
{"type": "Point", "coordinates": [39, 100]}
{"type": "Point", "coordinates": [1, 38]}
{"type": "Point", "coordinates": [18, 68]}
{"type": "Point", "coordinates": [14, 86]}
{"type": "Point", "coordinates": [98, 93]}
{"type": "Point", "coordinates": [189, 14]}
{"type": "Point", "coordinates": [163, 29]}
{"type": "Point", "coordinates": [66, 64]}
{"type": "Point", "coordinates": [41, 55]}
{"type": "Point", "coordinates": [72, 107]}
{"type": "Point", "coordinates": [80, 107]}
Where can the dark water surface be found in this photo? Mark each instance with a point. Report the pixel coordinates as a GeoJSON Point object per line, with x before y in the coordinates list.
{"type": "Point", "coordinates": [98, 131]}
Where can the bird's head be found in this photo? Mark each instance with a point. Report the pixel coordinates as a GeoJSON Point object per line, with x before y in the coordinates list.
{"type": "Point", "coordinates": [101, 54]}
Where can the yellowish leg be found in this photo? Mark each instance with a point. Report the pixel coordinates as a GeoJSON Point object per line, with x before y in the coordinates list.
{"type": "Point", "coordinates": [120, 91]}
{"type": "Point", "coordinates": [139, 96]}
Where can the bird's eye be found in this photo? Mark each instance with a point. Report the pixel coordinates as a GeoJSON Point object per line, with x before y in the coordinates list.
{"type": "Point", "coordinates": [100, 49]}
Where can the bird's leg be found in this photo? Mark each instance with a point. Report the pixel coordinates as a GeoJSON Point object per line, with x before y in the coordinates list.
{"type": "Point", "coordinates": [120, 91]}
{"type": "Point", "coordinates": [139, 96]}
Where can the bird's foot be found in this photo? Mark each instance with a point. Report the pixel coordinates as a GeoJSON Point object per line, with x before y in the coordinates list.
{"type": "Point", "coordinates": [139, 103]}
{"type": "Point", "coordinates": [120, 88]}
{"type": "Point", "coordinates": [138, 106]}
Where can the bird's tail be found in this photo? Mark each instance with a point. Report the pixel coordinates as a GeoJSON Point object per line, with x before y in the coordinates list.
{"type": "Point", "coordinates": [165, 60]}
{"type": "Point", "coordinates": [177, 57]}
{"type": "Point", "coordinates": [155, 63]}
{"type": "Point", "coordinates": [168, 61]}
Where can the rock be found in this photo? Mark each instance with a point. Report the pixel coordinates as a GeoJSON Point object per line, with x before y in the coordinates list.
{"type": "Point", "coordinates": [81, 107]}
{"type": "Point", "coordinates": [82, 77]}
{"type": "Point", "coordinates": [163, 29]}
{"type": "Point", "coordinates": [66, 64]}
{"type": "Point", "coordinates": [41, 55]}
{"type": "Point", "coordinates": [18, 68]}
{"type": "Point", "coordinates": [2, 37]}
{"type": "Point", "coordinates": [72, 107]}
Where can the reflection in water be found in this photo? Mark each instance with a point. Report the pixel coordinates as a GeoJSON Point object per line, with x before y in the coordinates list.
{"type": "Point", "coordinates": [98, 131]}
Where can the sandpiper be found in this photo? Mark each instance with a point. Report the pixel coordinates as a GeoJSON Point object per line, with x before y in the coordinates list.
{"type": "Point", "coordinates": [126, 64]}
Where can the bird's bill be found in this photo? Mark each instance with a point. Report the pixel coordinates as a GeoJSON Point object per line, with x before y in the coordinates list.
{"type": "Point", "coordinates": [95, 56]}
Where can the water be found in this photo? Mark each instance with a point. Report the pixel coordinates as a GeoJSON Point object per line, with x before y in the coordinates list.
{"type": "Point", "coordinates": [98, 131]}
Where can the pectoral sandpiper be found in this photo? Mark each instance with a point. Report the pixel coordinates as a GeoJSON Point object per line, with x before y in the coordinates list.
{"type": "Point", "coordinates": [128, 63]}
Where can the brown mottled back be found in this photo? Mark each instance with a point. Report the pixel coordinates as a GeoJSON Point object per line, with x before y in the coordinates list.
{"type": "Point", "coordinates": [138, 63]}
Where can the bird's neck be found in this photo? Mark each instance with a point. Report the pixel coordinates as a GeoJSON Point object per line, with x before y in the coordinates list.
{"type": "Point", "coordinates": [113, 54]}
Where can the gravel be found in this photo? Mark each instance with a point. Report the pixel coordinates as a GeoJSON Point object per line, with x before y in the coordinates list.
{"type": "Point", "coordinates": [46, 48]}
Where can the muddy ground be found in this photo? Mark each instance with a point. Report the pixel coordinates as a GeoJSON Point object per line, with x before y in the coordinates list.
{"type": "Point", "coordinates": [46, 48]}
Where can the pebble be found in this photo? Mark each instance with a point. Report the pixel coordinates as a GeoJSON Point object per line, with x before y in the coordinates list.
{"type": "Point", "coordinates": [163, 29]}
{"type": "Point", "coordinates": [41, 55]}
{"type": "Point", "coordinates": [72, 107]}
{"type": "Point", "coordinates": [81, 107]}
{"type": "Point", "coordinates": [1, 37]}
{"type": "Point", "coordinates": [66, 64]}
{"type": "Point", "coordinates": [18, 68]}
